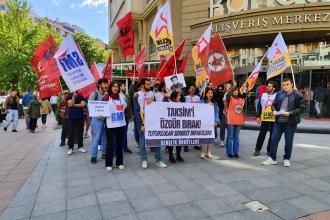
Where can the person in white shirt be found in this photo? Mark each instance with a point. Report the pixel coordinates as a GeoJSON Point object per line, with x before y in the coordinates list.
{"type": "Point", "coordinates": [53, 102]}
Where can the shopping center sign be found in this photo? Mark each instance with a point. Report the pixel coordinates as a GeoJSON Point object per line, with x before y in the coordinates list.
{"type": "Point", "coordinates": [221, 7]}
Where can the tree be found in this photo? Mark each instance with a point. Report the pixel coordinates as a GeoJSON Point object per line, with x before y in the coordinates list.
{"type": "Point", "coordinates": [91, 50]}
{"type": "Point", "coordinates": [19, 36]}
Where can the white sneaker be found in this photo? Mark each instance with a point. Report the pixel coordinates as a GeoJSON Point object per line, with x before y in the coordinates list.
{"type": "Point", "coordinates": [161, 164]}
{"type": "Point", "coordinates": [69, 152]}
{"type": "Point", "coordinates": [209, 155]}
{"type": "Point", "coordinates": [99, 147]}
{"type": "Point", "coordinates": [144, 164]}
{"type": "Point", "coordinates": [121, 167]}
{"type": "Point", "coordinates": [82, 150]}
{"type": "Point", "coordinates": [202, 156]}
{"type": "Point", "coordinates": [109, 168]}
{"type": "Point", "coordinates": [43, 126]}
{"type": "Point", "coordinates": [287, 163]}
{"type": "Point", "coordinates": [269, 161]}
{"type": "Point", "coordinates": [216, 141]}
{"type": "Point", "coordinates": [222, 144]}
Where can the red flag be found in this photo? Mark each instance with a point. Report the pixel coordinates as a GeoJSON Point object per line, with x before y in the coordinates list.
{"type": "Point", "coordinates": [169, 66]}
{"type": "Point", "coordinates": [107, 71]}
{"type": "Point", "coordinates": [139, 63]}
{"type": "Point", "coordinates": [86, 91]}
{"type": "Point", "coordinates": [218, 62]}
{"type": "Point", "coordinates": [126, 35]}
{"type": "Point", "coordinates": [182, 68]}
{"type": "Point", "coordinates": [46, 62]}
{"type": "Point", "coordinates": [47, 87]}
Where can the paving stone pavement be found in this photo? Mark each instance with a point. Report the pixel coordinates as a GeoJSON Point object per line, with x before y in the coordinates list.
{"type": "Point", "coordinates": [69, 187]}
{"type": "Point", "coordinates": [19, 154]}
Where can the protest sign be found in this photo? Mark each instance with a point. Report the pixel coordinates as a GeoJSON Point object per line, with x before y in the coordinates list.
{"type": "Point", "coordinates": [72, 65]}
{"type": "Point", "coordinates": [98, 108]}
{"type": "Point", "coordinates": [178, 124]}
{"type": "Point", "coordinates": [175, 82]}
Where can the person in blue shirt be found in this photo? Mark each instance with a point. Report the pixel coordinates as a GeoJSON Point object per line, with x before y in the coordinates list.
{"type": "Point", "coordinates": [27, 98]}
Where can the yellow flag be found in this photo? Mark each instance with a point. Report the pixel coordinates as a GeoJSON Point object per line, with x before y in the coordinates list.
{"type": "Point", "coordinates": [278, 56]}
{"type": "Point", "coordinates": [161, 30]}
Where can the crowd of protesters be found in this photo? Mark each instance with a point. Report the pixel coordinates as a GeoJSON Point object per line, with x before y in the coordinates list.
{"type": "Point", "coordinates": [278, 111]}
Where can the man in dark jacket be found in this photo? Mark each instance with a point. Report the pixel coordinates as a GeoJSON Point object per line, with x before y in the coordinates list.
{"type": "Point", "coordinates": [287, 107]}
{"type": "Point", "coordinates": [319, 95]}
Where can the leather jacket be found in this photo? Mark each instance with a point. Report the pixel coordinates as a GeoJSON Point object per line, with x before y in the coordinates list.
{"type": "Point", "coordinates": [296, 105]}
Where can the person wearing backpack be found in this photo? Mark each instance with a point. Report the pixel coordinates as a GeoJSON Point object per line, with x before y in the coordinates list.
{"type": "Point", "coordinates": [98, 125]}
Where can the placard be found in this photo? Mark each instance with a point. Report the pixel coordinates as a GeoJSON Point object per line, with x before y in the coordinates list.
{"type": "Point", "coordinates": [98, 108]}
{"type": "Point", "coordinates": [178, 124]}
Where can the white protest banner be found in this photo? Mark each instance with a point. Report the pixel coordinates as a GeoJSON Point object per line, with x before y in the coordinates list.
{"type": "Point", "coordinates": [98, 108]}
{"type": "Point", "coordinates": [178, 124]}
{"type": "Point", "coordinates": [72, 65]}
{"type": "Point", "coordinates": [117, 115]}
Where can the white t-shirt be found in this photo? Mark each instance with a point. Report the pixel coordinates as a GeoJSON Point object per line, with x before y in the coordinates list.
{"type": "Point", "coordinates": [159, 96]}
{"type": "Point", "coordinates": [192, 99]}
{"type": "Point", "coordinates": [143, 97]}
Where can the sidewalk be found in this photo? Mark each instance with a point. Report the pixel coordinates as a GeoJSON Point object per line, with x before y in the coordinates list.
{"type": "Point", "coordinates": [19, 154]}
{"type": "Point", "coordinates": [306, 126]}
{"type": "Point", "coordinates": [69, 187]}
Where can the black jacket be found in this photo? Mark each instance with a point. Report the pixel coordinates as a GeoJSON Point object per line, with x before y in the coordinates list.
{"type": "Point", "coordinates": [296, 105]}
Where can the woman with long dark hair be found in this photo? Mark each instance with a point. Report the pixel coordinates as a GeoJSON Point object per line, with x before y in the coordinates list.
{"type": "Point", "coordinates": [175, 96]}
{"type": "Point", "coordinates": [206, 150]}
{"type": "Point", "coordinates": [115, 127]}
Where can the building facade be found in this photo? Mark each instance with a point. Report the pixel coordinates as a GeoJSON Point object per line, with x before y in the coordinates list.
{"type": "Point", "coordinates": [248, 28]}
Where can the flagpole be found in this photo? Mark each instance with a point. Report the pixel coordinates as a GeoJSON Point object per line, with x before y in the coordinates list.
{"type": "Point", "coordinates": [134, 68]}
{"type": "Point", "coordinates": [293, 78]}
{"type": "Point", "coordinates": [175, 68]}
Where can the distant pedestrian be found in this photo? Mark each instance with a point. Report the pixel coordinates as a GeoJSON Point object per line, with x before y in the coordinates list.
{"type": "Point", "coordinates": [27, 98]}
{"type": "Point", "coordinates": [319, 96]}
{"type": "Point", "coordinates": [53, 102]}
{"type": "Point", "coordinates": [34, 113]}
{"type": "Point", "coordinates": [287, 107]}
{"type": "Point", "coordinates": [11, 108]}
{"type": "Point", "coordinates": [45, 109]}
{"type": "Point", "coordinates": [76, 104]}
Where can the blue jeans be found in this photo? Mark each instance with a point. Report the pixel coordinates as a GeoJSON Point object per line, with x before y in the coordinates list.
{"type": "Point", "coordinates": [143, 152]}
{"type": "Point", "coordinates": [12, 116]}
{"type": "Point", "coordinates": [232, 142]}
{"type": "Point", "coordinates": [99, 133]}
{"type": "Point", "coordinates": [278, 130]}
{"type": "Point", "coordinates": [136, 131]}
{"type": "Point", "coordinates": [125, 146]}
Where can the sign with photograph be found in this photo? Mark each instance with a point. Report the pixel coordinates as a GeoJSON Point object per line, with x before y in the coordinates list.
{"type": "Point", "coordinates": [178, 124]}
{"type": "Point", "coordinates": [175, 82]}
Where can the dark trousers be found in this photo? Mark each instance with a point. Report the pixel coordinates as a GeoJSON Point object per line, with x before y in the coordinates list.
{"type": "Point", "coordinates": [264, 127]}
{"type": "Point", "coordinates": [117, 134]}
{"type": "Point", "coordinates": [75, 131]}
{"type": "Point", "coordinates": [278, 130]}
{"type": "Point", "coordinates": [125, 147]}
{"type": "Point", "coordinates": [223, 126]}
{"type": "Point", "coordinates": [54, 107]}
{"type": "Point", "coordinates": [33, 124]}
{"type": "Point", "coordinates": [64, 133]}
{"type": "Point", "coordinates": [170, 150]}
{"type": "Point", "coordinates": [44, 118]}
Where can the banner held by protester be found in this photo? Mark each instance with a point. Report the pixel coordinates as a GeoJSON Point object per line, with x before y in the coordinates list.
{"type": "Point", "coordinates": [178, 124]}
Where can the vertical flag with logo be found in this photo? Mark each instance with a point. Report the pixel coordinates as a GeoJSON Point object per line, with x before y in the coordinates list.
{"type": "Point", "coordinates": [126, 35]}
{"type": "Point", "coordinates": [218, 62]}
{"type": "Point", "coordinates": [199, 55]}
{"type": "Point", "coordinates": [139, 63]}
{"type": "Point", "coordinates": [161, 30]}
{"type": "Point", "coordinates": [47, 87]}
{"type": "Point", "coordinates": [107, 71]}
{"type": "Point", "coordinates": [72, 65]}
{"type": "Point", "coordinates": [278, 56]}
{"type": "Point", "coordinates": [46, 62]}
{"type": "Point", "coordinates": [251, 80]}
